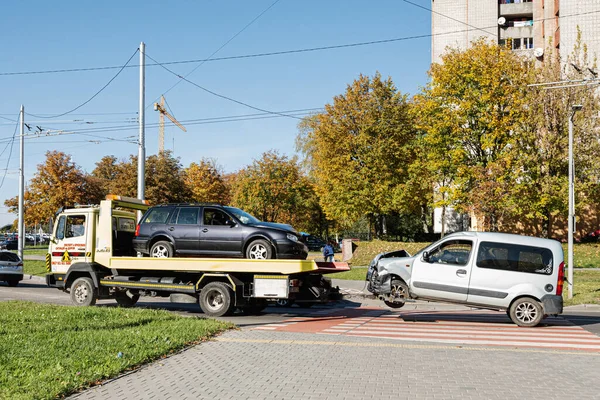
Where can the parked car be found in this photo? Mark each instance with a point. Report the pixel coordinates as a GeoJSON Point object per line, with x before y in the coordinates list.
{"type": "Point", "coordinates": [215, 231]}
{"type": "Point", "coordinates": [9, 244]}
{"type": "Point", "coordinates": [522, 275]}
{"type": "Point", "coordinates": [314, 243]}
{"type": "Point", "coordinates": [11, 268]}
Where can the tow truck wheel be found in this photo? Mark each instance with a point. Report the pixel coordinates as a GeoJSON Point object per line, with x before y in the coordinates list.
{"type": "Point", "coordinates": [12, 283]}
{"type": "Point", "coordinates": [162, 249]}
{"type": "Point", "coordinates": [83, 292]}
{"type": "Point", "coordinates": [126, 299]}
{"type": "Point", "coordinates": [216, 299]}
{"type": "Point", "coordinates": [306, 304]}
{"type": "Point", "coordinates": [399, 291]}
{"type": "Point", "coordinates": [259, 250]}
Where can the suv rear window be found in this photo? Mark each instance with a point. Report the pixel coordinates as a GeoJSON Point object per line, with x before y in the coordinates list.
{"type": "Point", "coordinates": [158, 215]}
{"type": "Point", "coordinates": [515, 257]}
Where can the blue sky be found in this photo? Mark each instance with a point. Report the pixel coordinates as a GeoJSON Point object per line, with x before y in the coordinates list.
{"type": "Point", "coordinates": [41, 35]}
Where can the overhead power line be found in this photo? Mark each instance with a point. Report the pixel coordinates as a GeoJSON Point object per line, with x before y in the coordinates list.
{"type": "Point", "coordinates": [220, 95]}
{"type": "Point", "coordinates": [283, 52]}
{"type": "Point", "coordinates": [11, 143]}
{"type": "Point", "coordinates": [91, 98]}
{"type": "Point", "coordinates": [223, 45]}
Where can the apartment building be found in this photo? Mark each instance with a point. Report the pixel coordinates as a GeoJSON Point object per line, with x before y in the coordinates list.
{"type": "Point", "coordinates": [528, 26]}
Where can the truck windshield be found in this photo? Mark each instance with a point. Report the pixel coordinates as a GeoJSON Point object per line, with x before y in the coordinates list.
{"type": "Point", "coordinates": [243, 216]}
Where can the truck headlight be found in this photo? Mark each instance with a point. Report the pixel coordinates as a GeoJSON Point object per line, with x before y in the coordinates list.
{"type": "Point", "coordinates": [291, 237]}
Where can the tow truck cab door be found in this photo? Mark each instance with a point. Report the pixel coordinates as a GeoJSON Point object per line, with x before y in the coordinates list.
{"type": "Point", "coordinates": [443, 272]}
{"type": "Point", "coordinates": [71, 237]}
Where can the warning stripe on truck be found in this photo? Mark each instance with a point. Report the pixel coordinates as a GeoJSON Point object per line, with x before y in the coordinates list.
{"type": "Point", "coordinates": [111, 282]}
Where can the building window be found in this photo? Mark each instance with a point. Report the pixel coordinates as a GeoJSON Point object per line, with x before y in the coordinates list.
{"type": "Point", "coordinates": [516, 43]}
{"type": "Point", "coordinates": [528, 43]}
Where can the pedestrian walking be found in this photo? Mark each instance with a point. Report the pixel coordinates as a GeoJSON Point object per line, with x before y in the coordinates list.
{"type": "Point", "coordinates": [328, 252]}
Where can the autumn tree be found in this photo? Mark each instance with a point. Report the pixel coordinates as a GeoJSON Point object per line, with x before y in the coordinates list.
{"type": "Point", "coordinates": [205, 182]}
{"type": "Point", "coordinates": [358, 151]}
{"type": "Point", "coordinates": [545, 136]}
{"type": "Point", "coordinates": [58, 182]}
{"type": "Point", "coordinates": [470, 114]}
{"type": "Point", "coordinates": [273, 189]}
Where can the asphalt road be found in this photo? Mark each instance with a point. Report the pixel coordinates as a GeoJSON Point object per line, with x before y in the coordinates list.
{"type": "Point", "coordinates": [36, 290]}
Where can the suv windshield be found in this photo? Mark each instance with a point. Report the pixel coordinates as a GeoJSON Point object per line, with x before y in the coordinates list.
{"type": "Point", "coordinates": [243, 216]}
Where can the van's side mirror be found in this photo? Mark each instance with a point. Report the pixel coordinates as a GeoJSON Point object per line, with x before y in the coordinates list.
{"type": "Point", "coordinates": [230, 222]}
{"type": "Point", "coordinates": [426, 256]}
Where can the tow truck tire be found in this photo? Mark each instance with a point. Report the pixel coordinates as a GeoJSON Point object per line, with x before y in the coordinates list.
{"type": "Point", "coordinates": [306, 304]}
{"type": "Point", "coordinates": [83, 292]}
{"type": "Point", "coordinates": [12, 283]}
{"type": "Point", "coordinates": [259, 249]}
{"type": "Point", "coordinates": [402, 288]}
{"type": "Point", "coordinates": [162, 249]}
{"type": "Point", "coordinates": [126, 299]}
{"type": "Point", "coordinates": [216, 299]}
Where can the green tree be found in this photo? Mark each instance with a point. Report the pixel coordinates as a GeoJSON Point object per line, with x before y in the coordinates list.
{"type": "Point", "coordinates": [358, 151]}
{"type": "Point", "coordinates": [59, 182]}
{"type": "Point", "coordinates": [165, 179]}
{"type": "Point", "coordinates": [469, 114]}
{"type": "Point", "coordinates": [205, 182]}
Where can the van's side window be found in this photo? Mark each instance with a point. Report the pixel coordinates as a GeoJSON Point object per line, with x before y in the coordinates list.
{"type": "Point", "coordinates": [455, 252]}
{"type": "Point", "coordinates": [515, 257]}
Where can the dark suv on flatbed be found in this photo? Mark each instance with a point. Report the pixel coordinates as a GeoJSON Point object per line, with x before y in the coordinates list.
{"type": "Point", "coordinates": [216, 231]}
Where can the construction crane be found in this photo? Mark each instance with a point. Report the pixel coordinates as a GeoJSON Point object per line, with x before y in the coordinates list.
{"type": "Point", "coordinates": [161, 123]}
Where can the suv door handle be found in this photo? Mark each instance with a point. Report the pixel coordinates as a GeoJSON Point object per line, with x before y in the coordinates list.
{"type": "Point", "coordinates": [171, 228]}
{"type": "Point", "coordinates": [460, 272]}
{"type": "Point", "coordinates": [205, 230]}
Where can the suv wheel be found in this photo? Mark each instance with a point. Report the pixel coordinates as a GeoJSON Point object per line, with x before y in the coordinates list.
{"type": "Point", "coordinates": [259, 250]}
{"type": "Point", "coordinates": [162, 249]}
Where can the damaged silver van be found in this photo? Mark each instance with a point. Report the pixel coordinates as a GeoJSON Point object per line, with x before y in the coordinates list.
{"type": "Point", "coordinates": [520, 274]}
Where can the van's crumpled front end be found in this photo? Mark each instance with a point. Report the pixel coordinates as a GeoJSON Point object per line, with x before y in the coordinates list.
{"type": "Point", "coordinates": [382, 269]}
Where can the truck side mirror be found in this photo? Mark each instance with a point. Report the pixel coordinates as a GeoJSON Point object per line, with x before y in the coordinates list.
{"type": "Point", "coordinates": [426, 256]}
{"type": "Point", "coordinates": [53, 239]}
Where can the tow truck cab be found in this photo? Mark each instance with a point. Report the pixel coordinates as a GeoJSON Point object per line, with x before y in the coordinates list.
{"type": "Point", "coordinates": [91, 256]}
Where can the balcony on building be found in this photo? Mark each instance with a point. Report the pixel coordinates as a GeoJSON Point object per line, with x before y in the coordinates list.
{"type": "Point", "coordinates": [511, 8]}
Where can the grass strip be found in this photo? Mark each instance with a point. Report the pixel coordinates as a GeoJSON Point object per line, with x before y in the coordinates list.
{"type": "Point", "coordinates": [49, 351]}
{"type": "Point", "coordinates": [34, 267]}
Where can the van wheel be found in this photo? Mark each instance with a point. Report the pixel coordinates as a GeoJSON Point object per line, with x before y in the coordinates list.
{"type": "Point", "coordinates": [399, 292]}
{"type": "Point", "coordinates": [259, 250]}
{"type": "Point", "coordinates": [83, 292]}
{"type": "Point", "coordinates": [162, 249]}
{"type": "Point", "coordinates": [126, 299]}
{"type": "Point", "coordinates": [216, 299]}
{"type": "Point", "coordinates": [526, 312]}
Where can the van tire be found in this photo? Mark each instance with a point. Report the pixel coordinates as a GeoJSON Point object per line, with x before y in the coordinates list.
{"type": "Point", "coordinates": [162, 249]}
{"type": "Point", "coordinates": [401, 287]}
{"type": "Point", "coordinates": [83, 292]}
{"type": "Point", "coordinates": [526, 312]}
{"type": "Point", "coordinates": [216, 299]}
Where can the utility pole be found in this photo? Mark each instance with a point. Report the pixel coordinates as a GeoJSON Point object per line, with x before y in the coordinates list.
{"type": "Point", "coordinates": [21, 241]}
{"type": "Point", "coordinates": [142, 122]}
{"type": "Point", "coordinates": [571, 224]}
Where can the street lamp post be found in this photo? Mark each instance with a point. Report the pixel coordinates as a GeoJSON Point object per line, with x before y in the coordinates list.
{"type": "Point", "coordinates": [571, 222]}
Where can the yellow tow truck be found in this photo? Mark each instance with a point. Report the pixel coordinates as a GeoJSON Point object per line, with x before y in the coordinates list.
{"type": "Point", "coordinates": [91, 256]}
